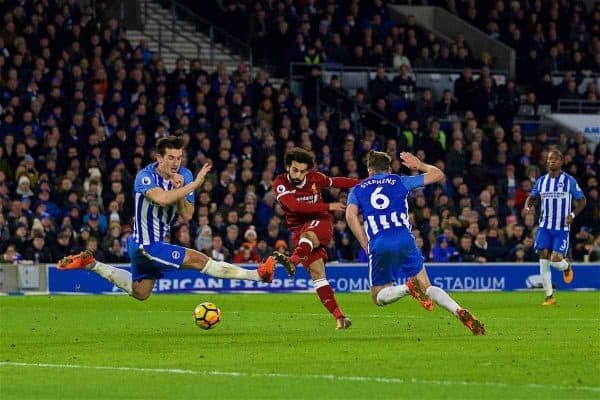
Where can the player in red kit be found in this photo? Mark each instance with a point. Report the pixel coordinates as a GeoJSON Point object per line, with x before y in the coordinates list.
{"type": "Point", "coordinates": [308, 217]}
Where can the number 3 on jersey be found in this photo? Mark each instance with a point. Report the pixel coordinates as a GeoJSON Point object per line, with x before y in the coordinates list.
{"type": "Point", "coordinates": [379, 201]}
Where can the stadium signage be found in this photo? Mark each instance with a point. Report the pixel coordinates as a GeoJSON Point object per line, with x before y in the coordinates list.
{"type": "Point", "coordinates": [342, 277]}
{"type": "Point", "coordinates": [589, 124]}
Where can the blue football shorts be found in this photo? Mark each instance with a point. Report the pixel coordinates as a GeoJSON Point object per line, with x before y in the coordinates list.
{"type": "Point", "coordinates": [393, 255]}
{"type": "Point", "coordinates": [150, 260]}
{"type": "Point", "coordinates": [548, 239]}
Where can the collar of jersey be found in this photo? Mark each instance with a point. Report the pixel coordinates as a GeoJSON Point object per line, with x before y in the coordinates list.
{"type": "Point", "coordinates": [379, 175]}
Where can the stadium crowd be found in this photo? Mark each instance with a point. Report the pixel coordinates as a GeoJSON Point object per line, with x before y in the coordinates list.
{"type": "Point", "coordinates": [81, 109]}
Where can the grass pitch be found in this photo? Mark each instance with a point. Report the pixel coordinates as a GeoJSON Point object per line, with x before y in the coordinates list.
{"type": "Point", "coordinates": [285, 346]}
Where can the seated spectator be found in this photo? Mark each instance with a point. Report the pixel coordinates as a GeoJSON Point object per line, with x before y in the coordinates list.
{"type": "Point", "coordinates": [442, 251]}
{"type": "Point", "coordinates": [62, 247]}
{"type": "Point", "coordinates": [480, 248]}
{"type": "Point", "coordinates": [218, 251]}
{"type": "Point", "coordinates": [92, 246]}
{"type": "Point", "coordinates": [245, 255]}
{"type": "Point", "coordinates": [262, 249]}
{"type": "Point", "coordinates": [465, 251]}
{"type": "Point", "coordinates": [11, 256]}
{"type": "Point", "coordinates": [37, 251]}
{"type": "Point", "coordinates": [114, 253]}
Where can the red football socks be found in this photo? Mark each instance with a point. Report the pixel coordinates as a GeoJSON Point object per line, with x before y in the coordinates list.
{"type": "Point", "coordinates": [301, 253]}
{"type": "Point", "coordinates": [328, 299]}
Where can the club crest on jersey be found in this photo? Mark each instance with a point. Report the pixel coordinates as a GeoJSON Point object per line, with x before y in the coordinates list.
{"type": "Point", "coordinates": [314, 189]}
{"type": "Point", "coordinates": [146, 180]}
{"type": "Point", "coordinates": [175, 254]}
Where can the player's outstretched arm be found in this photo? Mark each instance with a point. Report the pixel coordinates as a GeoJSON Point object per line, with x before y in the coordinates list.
{"type": "Point", "coordinates": [168, 197]}
{"type": "Point", "coordinates": [290, 203]}
{"type": "Point", "coordinates": [356, 227]}
{"type": "Point", "coordinates": [341, 182]}
{"type": "Point", "coordinates": [432, 174]}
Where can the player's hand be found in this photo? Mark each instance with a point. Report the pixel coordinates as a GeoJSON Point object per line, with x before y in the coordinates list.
{"type": "Point", "coordinates": [337, 206]}
{"type": "Point", "coordinates": [202, 173]}
{"type": "Point", "coordinates": [177, 181]}
{"type": "Point", "coordinates": [569, 219]}
{"type": "Point", "coordinates": [410, 160]}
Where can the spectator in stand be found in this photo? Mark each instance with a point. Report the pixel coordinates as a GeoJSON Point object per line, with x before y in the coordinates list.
{"type": "Point", "coordinates": [465, 251]}
{"type": "Point", "coordinates": [37, 251]}
{"type": "Point", "coordinates": [442, 251]}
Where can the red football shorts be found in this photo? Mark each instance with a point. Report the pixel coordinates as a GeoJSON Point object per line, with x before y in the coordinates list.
{"type": "Point", "coordinates": [323, 229]}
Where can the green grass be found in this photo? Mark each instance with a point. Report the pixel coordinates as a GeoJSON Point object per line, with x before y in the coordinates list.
{"type": "Point", "coordinates": [285, 346]}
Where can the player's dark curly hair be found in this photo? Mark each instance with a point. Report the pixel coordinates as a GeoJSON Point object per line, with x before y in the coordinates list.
{"type": "Point", "coordinates": [557, 152]}
{"type": "Point", "coordinates": [378, 161]}
{"type": "Point", "coordinates": [299, 155]}
{"type": "Point", "coordinates": [169, 142]}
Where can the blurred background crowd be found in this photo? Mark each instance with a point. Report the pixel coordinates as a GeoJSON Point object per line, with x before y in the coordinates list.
{"type": "Point", "coordinates": [81, 108]}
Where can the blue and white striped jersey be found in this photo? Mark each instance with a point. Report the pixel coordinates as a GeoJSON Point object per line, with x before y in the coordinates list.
{"type": "Point", "coordinates": [556, 195]}
{"type": "Point", "coordinates": [382, 202]}
{"type": "Point", "coordinates": [151, 222]}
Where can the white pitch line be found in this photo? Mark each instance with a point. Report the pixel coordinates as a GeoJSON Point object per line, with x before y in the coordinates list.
{"type": "Point", "coordinates": [375, 379]}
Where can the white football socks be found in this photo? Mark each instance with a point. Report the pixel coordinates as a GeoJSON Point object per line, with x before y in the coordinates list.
{"type": "Point", "coordinates": [442, 298]}
{"type": "Point", "coordinates": [391, 294]}
{"type": "Point", "coordinates": [546, 275]}
{"type": "Point", "coordinates": [560, 265]}
{"type": "Point", "coordinates": [117, 276]}
{"type": "Point", "coordinates": [222, 269]}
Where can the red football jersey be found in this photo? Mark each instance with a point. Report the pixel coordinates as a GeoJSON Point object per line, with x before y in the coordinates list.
{"type": "Point", "coordinates": [304, 202]}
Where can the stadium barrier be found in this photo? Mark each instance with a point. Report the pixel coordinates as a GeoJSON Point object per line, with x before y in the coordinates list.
{"type": "Point", "coordinates": [343, 278]}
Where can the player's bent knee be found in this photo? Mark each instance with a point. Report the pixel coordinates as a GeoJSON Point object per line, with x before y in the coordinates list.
{"type": "Point", "coordinates": [140, 296]}
{"type": "Point", "coordinates": [140, 293]}
{"type": "Point", "coordinates": [312, 237]}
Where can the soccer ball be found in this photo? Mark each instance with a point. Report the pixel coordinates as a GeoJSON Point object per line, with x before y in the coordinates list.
{"type": "Point", "coordinates": [207, 315]}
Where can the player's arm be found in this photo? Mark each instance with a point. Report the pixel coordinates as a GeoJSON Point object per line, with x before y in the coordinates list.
{"type": "Point", "coordinates": [338, 182]}
{"type": "Point", "coordinates": [185, 205]}
{"type": "Point", "coordinates": [185, 209]}
{"type": "Point", "coordinates": [341, 182]}
{"type": "Point", "coordinates": [353, 220]}
{"type": "Point", "coordinates": [531, 199]}
{"type": "Point", "coordinates": [290, 203]}
{"type": "Point", "coordinates": [168, 197]}
{"type": "Point", "coordinates": [529, 203]}
{"type": "Point", "coordinates": [431, 173]}
{"type": "Point", "coordinates": [579, 206]}
{"type": "Point", "coordinates": [579, 200]}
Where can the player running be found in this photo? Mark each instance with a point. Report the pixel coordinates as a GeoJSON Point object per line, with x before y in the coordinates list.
{"type": "Point", "coordinates": [162, 190]}
{"type": "Point", "coordinates": [387, 238]}
{"type": "Point", "coordinates": [557, 190]}
{"type": "Point", "coordinates": [299, 193]}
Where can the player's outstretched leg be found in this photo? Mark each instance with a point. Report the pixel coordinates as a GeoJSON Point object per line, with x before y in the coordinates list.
{"type": "Point", "coordinates": [287, 263]}
{"type": "Point", "coordinates": [469, 320]}
{"type": "Point", "coordinates": [222, 269]}
{"type": "Point", "coordinates": [85, 260]}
